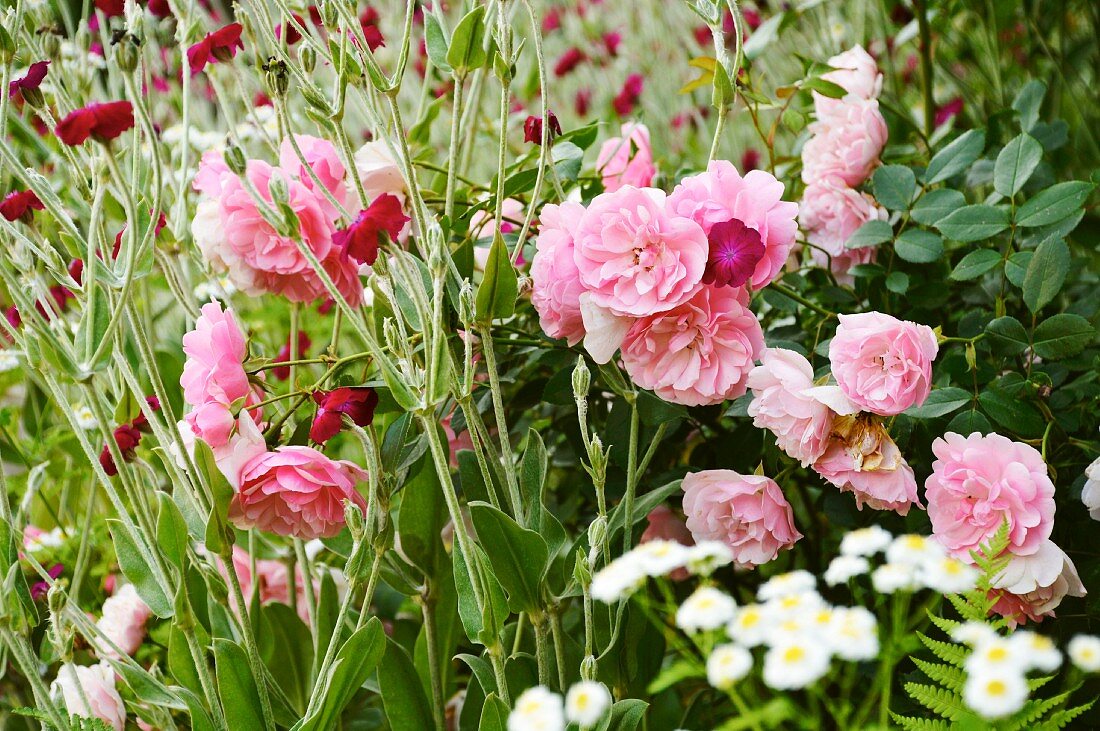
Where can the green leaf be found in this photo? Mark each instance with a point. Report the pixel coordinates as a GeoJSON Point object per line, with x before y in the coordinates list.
{"type": "Point", "coordinates": [223, 492]}
{"type": "Point", "coordinates": [236, 686]}
{"type": "Point", "coordinates": [934, 205]}
{"type": "Point", "coordinates": [1012, 413]}
{"type": "Point", "coordinates": [532, 476]}
{"type": "Point", "coordinates": [93, 326]}
{"type": "Point", "coordinates": [975, 264]}
{"type": "Point", "coordinates": [1016, 267]}
{"type": "Point", "coordinates": [968, 422]}
{"type": "Point", "coordinates": [940, 402]}
{"type": "Point", "coordinates": [1015, 164]}
{"type": "Point", "coordinates": [354, 663]}
{"type": "Point", "coordinates": [894, 186]}
{"type": "Point", "coordinates": [956, 157]}
{"type": "Point", "coordinates": [627, 714]}
{"type": "Point", "coordinates": [938, 700]}
{"type": "Point", "coordinates": [722, 92]}
{"type": "Point", "coordinates": [422, 517]}
{"type": "Point", "coordinates": [919, 246]}
{"type": "Point", "coordinates": [1054, 204]}
{"type": "Point", "coordinates": [1061, 336]}
{"type": "Point", "coordinates": [171, 530]}
{"type": "Point", "coordinates": [476, 623]}
{"type": "Point", "coordinates": [435, 39]}
{"type": "Point", "coordinates": [467, 50]}
{"type": "Point", "coordinates": [496, 296]}
{"type": "Point", "coordinates": [645, 503]}
{"type": "Point", "coordinates": [1008, 334]}
{"type": "Point", "coordinates": [519, 558]}
{"type": "Point", "coordinates": [1028, 102]}
{"type": "Point", "coordinates": [1046, 272]}
{"type": "Point", "coordinates": [494, 714]}
{"type": "Point", "coordinates": [286, 648]}
{"type": "Point", "coordinates": [134, 566]}
{"type": "Point", "coordinates": [897, 282]}
{"type": "Point", "coordinates": [403, 696]}
{"type": "Point", "coordinates": [871, 233]}
{"type": "Point", "coordinates": [825, 88]}
{"type": "Point", "coordinates": [973, 223]}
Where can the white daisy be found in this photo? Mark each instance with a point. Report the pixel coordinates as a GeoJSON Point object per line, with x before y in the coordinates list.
{"type": "Point", "coordinates": [706, 556]}
{"type": "Point", "coordinates": [727, 664]}
{"type": "Point", "coordinates": [853, 634]}
{"type": "Point", "coordinates": [1038, 650]}
{"type": "Point", "coordinates": [618, 579]}
{"type": "Point", "coordinates": [706, 609]}
{"type": "Point", "coordinates": [997, 655]}
{"type": "Point", "coordinates": [537, 709]}
{"type": "Point", "coordinates": [1084, 652]}
{"type": "Point", "coordinates": [795, 663]}
{"type": "Point", "coordinates": [750, 625]}
{"type": "Point", "coordinates": [792, 582]}
{"type": "Point", "coordinates": [914, 549]}
{"type": "Point", "coordinates": [891, 577]}
{"type": "Point", "coordinates": [842, 568]}
{"type": "Point", "coordinates": [948, 575]}
{"type": "Point", "coordinates": [995, 693]}
{"type": "Point", "coordinates": [586, 702]}
{"type": "Point", "coordinates": [865, 541]}
{"type": "Point", "coordinates": [973, 633]}
{"type": "Point", "coordinates": [660, 557]}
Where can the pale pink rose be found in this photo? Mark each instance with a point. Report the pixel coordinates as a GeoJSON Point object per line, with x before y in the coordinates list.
{"type": "Point", "coordinates": [324, 160]}
{"type": "Point", "coordinates": [296, 491]}
{"type": "Point", "coordinates": [456, 442]}
{"type": "Point", "coordinates": [626, 160]}
{"type": "Point", "coordinates": [378, 171]}
{"type": "Point", "coordinates": [603, 329]}
{"type": "Point", "coordinates": [664, 525]}
{"type": "Point", "coordinates": [123, 622]}
{"type": "Point", "coordinates": [861, 458]}
{"type": "Point", "coordinates": [90, 691]}
{"type": "Point", "coordinates": [784, 404]}
{"type": "Point", "coordinates": [883, 364]}
{"type": "Point", "coordinates": [1090, 493]}
{"type": "Point", "coordinates": [721, 194]}
{"type": "Point", "coordinates": [856, 72]}
{"type": "Point", "coordinates": [635, 256]}
{"type": "Point", "coordinates": [556, 285]}
{"type": "Point", "coordinates": [1032, 587]}
{"type": "Point", "coordinates": [979, 482]}
{"type": "Point", "coordinates": [845, 141]}
{"type": "Point", "coordinates": [272, 581]}
{"type": "Point", "coordinates": [830, 212]}
{"type": "Point", "coordinates": [699, 353]}
{"type": "Point", "coordinates": [746, 512]}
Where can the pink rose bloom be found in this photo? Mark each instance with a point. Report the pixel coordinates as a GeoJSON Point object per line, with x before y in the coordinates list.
{"type": "Point", "coordinates": [845, 141]}
{"type": "Point", "coordinates": [636, 257]}
{"type": "Point", "coordinates": [272, 581]}
{"type": "Point", "coordinates": [1032, 587]}
{"type": "Point", "coordinates": [123, 622]}
{"type": "Point", "coordinates": [324, 160]}
{"type": "Point", "coordinates": [699, 353]}
{"type": "Point", "coordinates": [721, 194]}
{"type": "Point", "coordinates": [883, 364]}
{"type": "Point", "coordinates": [830, 213]}
{"type": "Point", "coordinates": [456, 442]}
{"type": "Point", "coordinates": [784, 403]}
{"type": "Point", "coordinates": [856, 72]}
{"type": "Point", "coordinates": [557, 287]}
{"type": "Point", "coordinates": [626, 160]}
{"type": "Point", "coordinates": [90, 691]}
{"type": "Point", "coordinates": [746, 512]}
{"type": "Point", "coordinates": [979, 482]}
{"type": "Point", "coordinates": [861, 458]}
{"type": "Point", "coordinates": [296, 491]}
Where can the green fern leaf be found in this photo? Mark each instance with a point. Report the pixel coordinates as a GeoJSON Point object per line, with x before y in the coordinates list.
{"type": "Point", "coordinates": [947, 626]}
{"type": "Point", "coordinates": [1063, 718]}
{"type": "Point", "coordinates": [1036, 708]}
{"type": "Point", "coordinates": [919, 724]}
{"type": "Point", "coordinates": [1034, 684]}
{"type": "Point", "coordinates": [31, 713]}
{"type": "Point", "coordinates": [948, 676]}
{"type": "Point", "coordinates": [946, 651]}
{"type": "Point", "coordinates": [938, 700]}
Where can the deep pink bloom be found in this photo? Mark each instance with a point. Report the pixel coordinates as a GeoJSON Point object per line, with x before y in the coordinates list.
{"type": "Point", "coordinates": [627, 98]}
{"type": "Point", "coordinates": [127, 438]}
{"type": "Point", "coordinates": [581, 101]}
{"type": "Point", "coordinates": [746, 512]}
{"type": "Point", "coordinates": [29, 81]}
{"type": "Point", "coordinates": [221, 45]}
{"type": "Point", "coordinates": [20, 205]}
{"type": "Point", "coordinates": [283, 372]}
{"type": "Point", "coordinates": [552, 20]}
{"type": "Point", "coordinates": [979, 482]}
{"type": "Point", "coordinates": [556, 285]}
{"type": "Point", "coordinates": [626, 160]}
{"type": "Point", "coordinates": [368, 21]}
{"type": "Point", "coordinates": [1032, 587]}
{"type": "Point", "coordinates": [159, 8]}
{"type": "Point", "coordinates": [883, 364]}
{"type": "Point", "coordinates": [861, 458]}
{"type": "Point", "coordinates": [611, 41]}
{"type": "Point", "coordinates": [357, 403]}
{"type": "Point", "coordinates": [532, 128]}
{"type": "Point", "coordinates": [76, 270]}
{"type": "Point", "coordinates": [322, 159]}
{"type": "Point", "coordinates": [40, 589]}
{"type": "Point", "coordinates": [568, 61]}
{"type": "Point", "coordinates": [698, 353]}
{"type": "Point", "coordinates": [110, 8]}
{"type": "Point", "coordinates": [360, 239]}
{"type": "Point", "coordinates": [104, 122]}
{"type": "Point", "coordinates": [948, 110]}
{"type": "Point", "coordinates": [830, 213]}
{"type": "Point", "coordinates": [296, 491]}
{"type": "Point", "coordinates": [722, 195]}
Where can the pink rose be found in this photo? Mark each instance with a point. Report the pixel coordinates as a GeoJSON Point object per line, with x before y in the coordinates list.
{"type": "Point", "coordinates": [856, 72]}
{"type": "Point", "coordinates": [272, 581]}
{"type": "Point", "coordinates": [626, 160]}
{"type": "Point", "coordinates": [979, 482]}
{"type": "Point", "coordinates": [456, 442]}
{"type": "Point", "coordinates": [90, 691]}
{"type": "Point", "coordinates": [861, 458]}
{"type": "Point", "coordinates": [636, 257]}
{"type": "Point", "coordinates": [699, 353]}
{"type": "Point", "coordinates": [123, 622]}
{"type": "Point", "coordinates": [746, 512]}
{"type": "Point", "coordinates": [830, 213]}
{"type": "Point", "coordinates": [845, 141]}
{"type": "Point", "coordinates": [721, 194]}
{"type": "Point", "coordinates": [556, 280]}
{"type": "Point", "coordinates": [296, 491]}
{"type": "Point", "coordinates": [1032, 587]}
{"type": "Point", "coordinates": [324, 160]}
{"type": "Point", "coordinates": [380, 174]}
{"type": "Point", "coordinates": [883, 364]}
{"type": "Point", "coordinates": [784, 403]}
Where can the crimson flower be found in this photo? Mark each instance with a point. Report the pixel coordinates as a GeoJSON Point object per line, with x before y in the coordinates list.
{"type": "Point", "coordinates": [127, 437]}
{"type": "Point", "coordinates": [76, 270]}
{"type": "Point", "coordinates": [111, 8]}
{"type": "Point", "coordinates": [582, 101]}
{"type": "Point", "coordinates": [368, 20]}
{"type": "Point", "coordinates": [948, 110]}
{"type": "Point", "coordinates": [568, 61]}
{"type": "Point", "coordinates": [221, 45]}
{"type": "Point", "coordinates": [611, 42]}
{"type": "Point", "coordinates": [283, 372]}
{"type": "Point", "coordinates": [750, 160]}
{"type": "Point", "coordinates": [625, 100]}
{"type": "Point", "coordinates": [29, 81]}
{"type": "Point", "coordinates": [292, 34]}
{"type": "Point", "coordinates": [358, 403]}
{"type": "Point", "coordinates": [532, 128]}
{"type": "Point", "coordinates": [551, 21]}
{"type": "Point", "coordinates": [360, 239]}
{"type": "Point", "coordinates": [20, 205]}
{"type": "Point", "coordinates": [41, 588]}
{"type": "Point", "coordinates": [140, 422]}
{"type": "Point", "coordinates": [735, 250]}
{"type": "Point", "coordinates": [103, 121]}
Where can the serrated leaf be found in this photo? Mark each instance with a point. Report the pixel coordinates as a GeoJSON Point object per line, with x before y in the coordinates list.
{"type": "Point", "coordinates": [919, 246]}
{"type": "Point", "coordinates": [949, 676]}
{"type": "Point", "coordinates": [940, 402]}
{"type": "Point", "coordinates": [1062, 335]}
{"type": "Point", "coordinates": [1015, 164]}
{"type": "Point", "coordinates": [871, 233]}
{"type": "Point", "coordinates": [1058, 202]}
{"type": "Point", "coordinates": [949, 652]}
{"type": "Point", "coordinates": [1046, 272]}
{"type": "Point", "coordinates": [956, 157]}
{"type": "Point", "coordinates": [894, 186]}
{"type": "Point", "coordinates": [938, 700]}
{"type": "Point", "coordinates": [935, 205]}
{"type": "Point", "coordinates": [975, 264]}
{"type": "Point", "coordinates": [973, 223]}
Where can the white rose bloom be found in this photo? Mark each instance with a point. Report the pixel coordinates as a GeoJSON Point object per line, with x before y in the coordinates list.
{"type": "Point", "coordinates": [1090, 493]}
{"type": "Point", "coordinates": [537, 709]}
{"type": "Point", "coordinates": [891, 577]}
{"type": "Point", "coordinates": [706, 609]}
{"type": "Point", "coordinates": [948, 575]}
{"type": "Point", "coordinates": [995, 693]}
{"type": "Point", "coordinates": [795, 663]}
{"type": "Point", "coordinates": [865, 541]}
{"type": "Point", "coordinates": [727, 664]}
{"type": "Point", "coordinates": [750, 626]}
{"type": "Point", "coordinates": [1038, 651]}
{"type": "Point", "coordinates": [586, 703]}
{"type": "Point", "coordinates": [1084, 652]}
{"type": "Point", "coordinates": [793, 582]}
{"type": "Point", "coordinates": [660, 557]}
{"type": "Point", "coordinates": [914, 549]}
{"type": "Point", "coordinates": [842, 568]}
{"type": "Point", "coordinates": [618, 579]}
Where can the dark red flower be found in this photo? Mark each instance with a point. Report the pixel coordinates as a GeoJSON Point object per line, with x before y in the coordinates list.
{"type": "Point", "coordinates": [76, 270]}
{"type": "Point", "coordinates": [752, 18]}
{"type": "Point", "coordinates": [110, 8]}
{"type": "Point", "coordinates": [29, 81]}
{"type": "Point", "coordinates": [221, 45]}
{"type": "Point", "coordinates": [368, 20]}
{"type": "Point", "coordinates": [568, 61]}
{"type": "Point", "coordinates": [326, 306]}
{"type": "Point", "coordinates": [750, 160]}
{"type": "Point", "coordinates": [13, 317]}
{"type": "Point", "coordinates": [159, 8]}
{"type": "Point", "coordinates": [532, 128]}
{"type": "Point", "coordinates": [127, 437]}
{"type": "Point", "coordinates": [104, 122]}
{"type": "Point", "coordinates": [283, 372]}
{"type": "Point", "coordinates": [292, 34]}
{"type": "Point", "coordinates": [735, 250]}
{"type": "Point", "coordinates": [140, 422]}
{"type": "Point", "coordinates": [582, 101]}
{"type": "Point", "coordinates": [702, 35]}
{"type": "Point", "coordinates": [61, 296]}
{"type": "Point", "coordinates": [20, 205]}
{"type": "Point", "coordinates": [611, 42]}
{"type": "Point", "coordinates": [358, 403]}
{"type": "Point", "coordinates": [626, 99]}
{"type": "Point", "coordinates": [360, 239]}
{"type": "Point", "coordinates": [552, 20]}
{"type": "Point", "coordinates": [41, 588]}
{"type": "Point", "coordinates": [948, 110]}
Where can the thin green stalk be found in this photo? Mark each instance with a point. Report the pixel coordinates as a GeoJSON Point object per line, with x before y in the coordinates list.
{"type": "Point", "coordinates": [251, 649]}
{"type": "Point", "coordinates": [631, 477]}
{"type": "Point", "coordinates": [925, 30]}
{"type": "Point", "coordinates": [427, 611]}
{"type": "Point", "coordinates": [502, 425]}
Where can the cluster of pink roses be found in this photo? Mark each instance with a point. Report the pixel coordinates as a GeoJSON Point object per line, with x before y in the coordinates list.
{"type": "Point", "coordinates": [844, 147]}
{"type": "Point", "coordinates": [291, 490]}
{"type": "Point", "coordinates": [664, 278]}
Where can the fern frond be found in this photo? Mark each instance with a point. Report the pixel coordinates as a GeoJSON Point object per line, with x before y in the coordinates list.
{"type": "Point", "coordinates": [1035, 709]}
{"type": "Point", "coordinates": [1034, 684]}
{"type": "Point", "coordinates": [938, 700]}
{"type": "Point", "coordinates": [948, 676]}
{"type": "Point", "coordinates": [946, 651]}
{"type": "Point", "coordinates": [1063, 718]}
{"type": "Point", "coordinates": [947, 626]}
{"type": "Point", "coordinates": [919, 724]}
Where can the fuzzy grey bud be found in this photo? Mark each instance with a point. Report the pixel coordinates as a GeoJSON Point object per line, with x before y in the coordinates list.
{"type": "Point", "coordinates": [127, 53]}
{"type": "Point", "coordinates": [582, 379]}
{"type": "Point", "coordinates": [234, 159]}
{"type": "Point", "coordinates": [278, 189]}
{"type": "Point", "coordinates": [353, 516]}
{"type": "Point", "coordinates": [588, 668]}
{"type": "Point", "coordinates": [597, 532]}
{"type": "Point", "coordinates": [308, 57]}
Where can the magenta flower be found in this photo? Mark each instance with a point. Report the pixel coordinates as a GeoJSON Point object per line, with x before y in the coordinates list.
{"type": "Point", "coordinates": [735, 250]}
{"type": "Point", "coordinates": [29, 81]}
{"type": "Point", "coordinates": [357, 403]}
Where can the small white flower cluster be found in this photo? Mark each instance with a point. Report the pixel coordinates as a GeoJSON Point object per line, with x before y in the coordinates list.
{"type": "Point", "coordinates": [624, 575]}
{"type": "Point", "coordinates": [801, 632]}
{"type": "Point", "coordinates": [913, 562]}
{"type": "Point", "coordinates": [85, 419]}
{"type": "Point", "coordinates": [219, 288]}
{"type": "Point", "coordinates": [997, 668]}
{"type": "Point", "coordinates": [541, 709]}
{"type": "Point", "coordinates": [9, 360]}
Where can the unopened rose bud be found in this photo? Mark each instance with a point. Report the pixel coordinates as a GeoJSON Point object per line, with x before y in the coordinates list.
{"type": "Point", "coordinates": [588, 668]}
{"type": "Point", "coordinates": [597, 532]}
{"type": "Point", "coordinates": [596, 455]}
{"type": "Point", "coordinates": [581, 571]}
{"type": "Point", "coordinates": [466, 303]}
{"type": "Point", "coordinates": [235, 161]}
{"type": "Point", "coordinates": [582, 379]}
